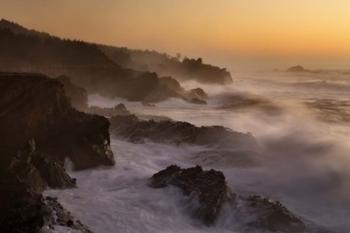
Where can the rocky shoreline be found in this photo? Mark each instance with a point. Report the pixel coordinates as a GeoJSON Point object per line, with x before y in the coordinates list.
{"type": "Point", "coordinates": [40, 130]}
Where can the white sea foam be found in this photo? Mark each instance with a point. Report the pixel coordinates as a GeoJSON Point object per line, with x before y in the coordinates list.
{"type": "Point", "coordinates": [305, 166]}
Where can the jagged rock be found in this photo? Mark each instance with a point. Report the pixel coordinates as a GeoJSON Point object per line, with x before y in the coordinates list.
{"type": "Point", "coordinates": [77, 95]}
{"type": "Point", "coordinates": [35, 107]}
{"type": "Point", "coordinates": [272, 215]}
{"type": "Point", "coordinates": [39, 130]}
{"type": "Point", "coordinates": [21, 208]}
{"type": "Point", "coordinates": [118, 110]}
{"type": "Point", "coordinates": [136, 130]}
{"type": "Point", "coordinates": [207, 187]}
{"type": "Point", "coordinates": [58, 216]}
{"type": "Point", "coordinates": [26, 211]}
{"type": "Point", "coordinates": [39, 170]}
{"type": "Point", "coordinates": [199, 92]}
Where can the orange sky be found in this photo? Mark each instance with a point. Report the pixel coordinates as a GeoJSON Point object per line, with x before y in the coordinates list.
{"type": "Point", "coordinates": [236, 33]}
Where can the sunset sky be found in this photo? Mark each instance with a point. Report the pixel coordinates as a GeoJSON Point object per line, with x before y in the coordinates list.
{"type": "Point", "coordinates": [240, 34]}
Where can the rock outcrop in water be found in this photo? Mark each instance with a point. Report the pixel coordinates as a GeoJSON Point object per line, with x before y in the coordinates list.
{"type": "Point", "coordinates": [175, 132]}
{"type": "Point", "coordinates": [209, 189]}
{"type": "Point", "coordinates": [39, 130]}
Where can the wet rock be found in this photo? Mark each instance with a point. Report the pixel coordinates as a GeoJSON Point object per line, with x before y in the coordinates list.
{"type": "Point", "coordinates": [39, 170]}
{"type": "Point", "coordinates": [58, 216]}
{"type": "Point", "coordinates": [39, 130]}
{"type": "Point", "coordinates": [77, 95]}
{"type": "Point", "coordinates": [175, 132]}
{"type": "Point", "coordinates": [207, 187]}
{"type": "Point", "coordinates": [21, 209]}
{"type": "Point", "coordinates": [272, 215]}
{"type": "Point", "coordinates": [26, 211]}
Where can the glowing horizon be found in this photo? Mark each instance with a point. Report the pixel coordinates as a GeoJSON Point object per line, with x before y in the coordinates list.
{"type": "Point", "coordinates": [241, 33]}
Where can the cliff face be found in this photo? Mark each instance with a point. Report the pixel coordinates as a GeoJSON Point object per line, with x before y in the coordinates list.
{"type": "Point", "coordinates": [34, 107]}
{"type": "Point", "coordinates": [39, 130]}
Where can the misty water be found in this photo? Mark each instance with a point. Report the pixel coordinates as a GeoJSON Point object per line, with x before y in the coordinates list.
{"type": "Point", "coordinates": [300, 122]}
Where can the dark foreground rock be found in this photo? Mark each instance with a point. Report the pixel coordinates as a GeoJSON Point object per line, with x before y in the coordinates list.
{"type": "Point", "coordinates": [208, 187]}
{"type": "Point", "coordinates": [210, 190]}
{"type": "Point", "coordinates": [57, 216]}
{"type": "Point", "coordinates": [24, 210]}
{"type": "Point", "coordinates": [39, 131]}
{"type": "Point", "coordinates": [35, 107]}
{"type": "Point", "coordinates": [136, 130]}
{"type": "Point", "coordinates": [272, 215]}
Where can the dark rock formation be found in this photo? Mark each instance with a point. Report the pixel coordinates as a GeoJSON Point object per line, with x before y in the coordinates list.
{"type": "Point", "coordinates": [208, 187]}
{"type": "Point", "coordinates": [22, 209]}
{"type": "Point", "coordinates": [25, 211]}
{"type": "Point", "coordinates": [38, 170]}
{"type": "Point", "coordinates": [35, 107]}
{"type": "Point", "coordinates": [136, 130]}
{"type": "Point", "coordinates": [58, 216]}
{"type": "Point", "coordinates": [77, 95]}
{"type": "Point", "coordinates": [272, 215]}
{"type": "Point", "coordinates": [118, 110]}
{"type": "Point", "coordinates": [39, 130]}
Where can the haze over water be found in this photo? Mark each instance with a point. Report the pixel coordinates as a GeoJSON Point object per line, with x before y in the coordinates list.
{"type": "Point", "coordinates": [301, 120]}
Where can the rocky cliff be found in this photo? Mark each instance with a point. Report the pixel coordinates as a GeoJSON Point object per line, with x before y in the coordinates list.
{"type": "Point", "coordinates": [39, 130]}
